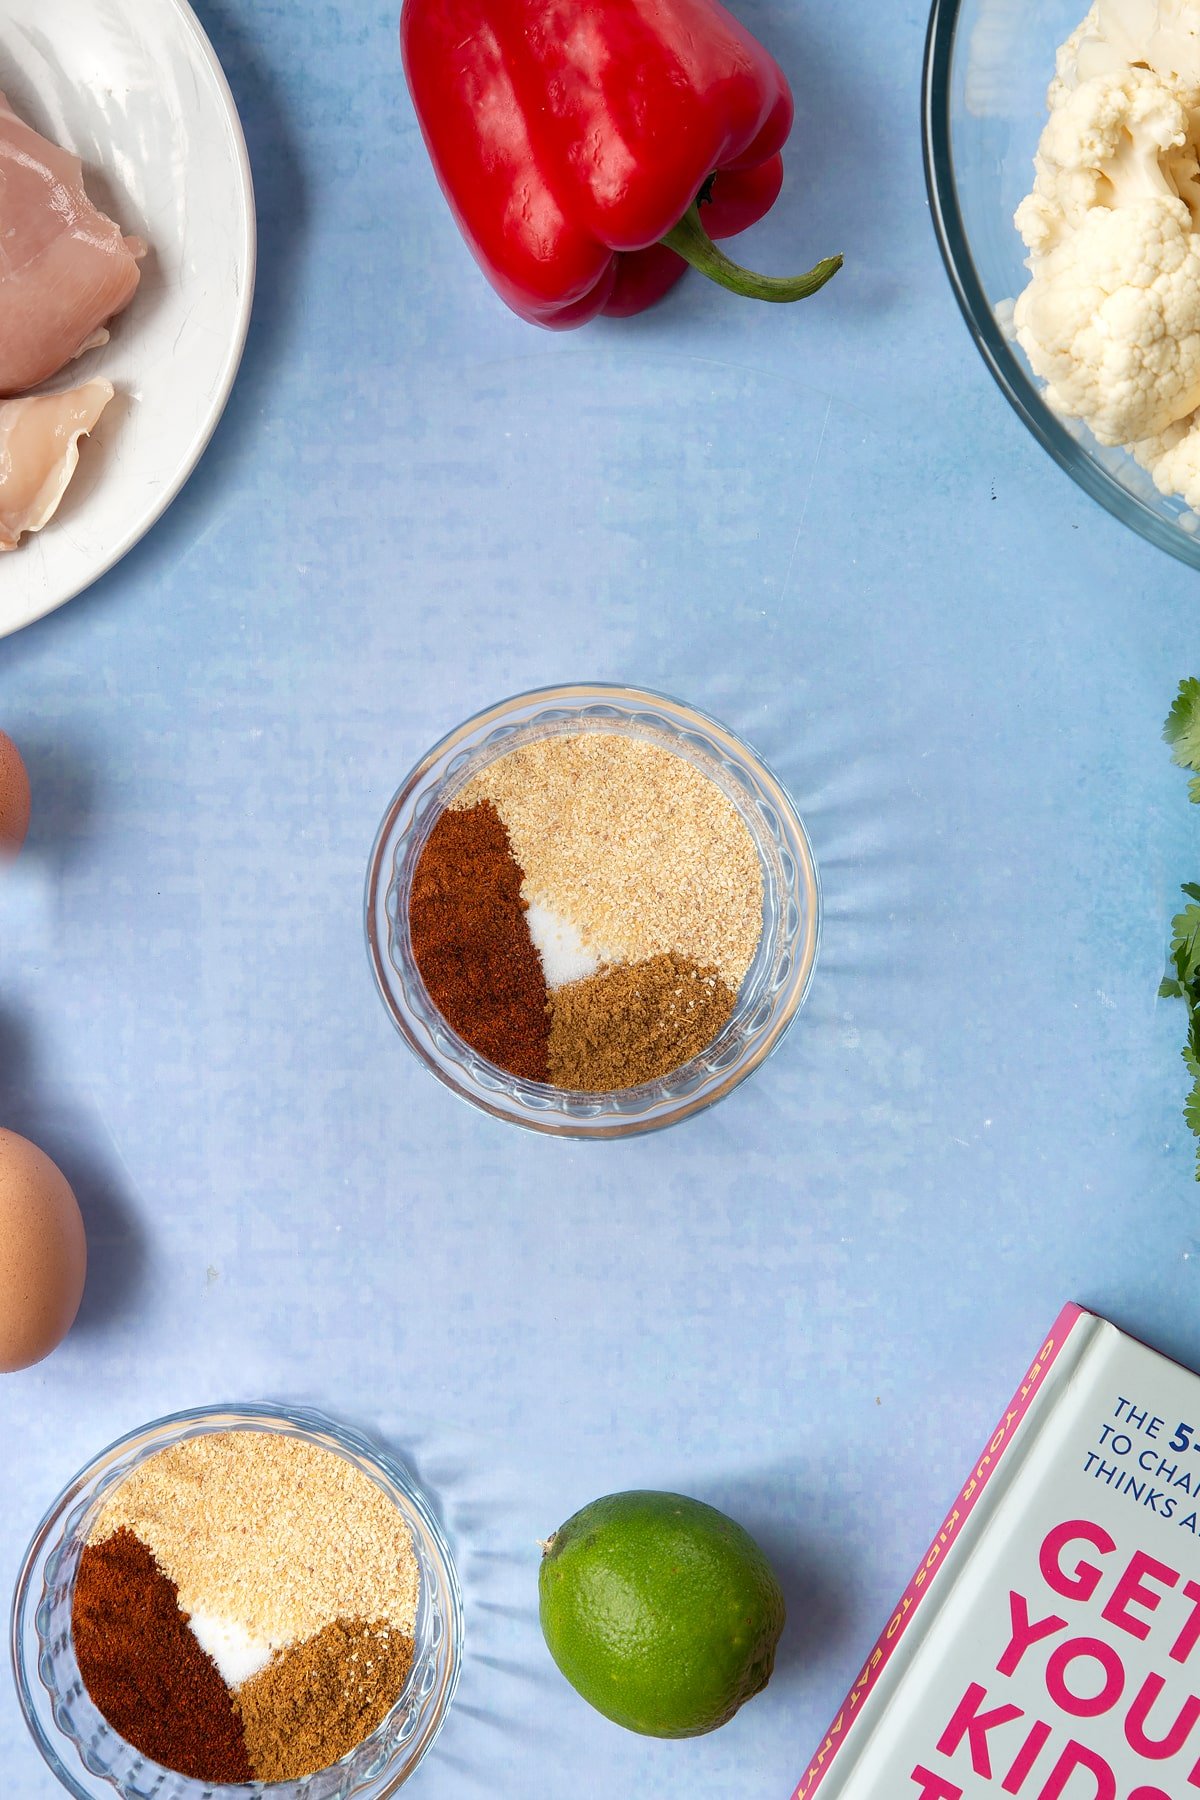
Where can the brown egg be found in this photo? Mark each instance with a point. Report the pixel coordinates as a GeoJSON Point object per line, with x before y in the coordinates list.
{"type": "Point", "coordinates": [14, 798]}
{"type": "Point", "coordinates": [43, 1254]}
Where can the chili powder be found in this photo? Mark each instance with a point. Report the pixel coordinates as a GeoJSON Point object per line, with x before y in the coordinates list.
{"type": "Point", "coordinates": [471, 942]}
{"type": "Point", "coordinates": [145, 1670]}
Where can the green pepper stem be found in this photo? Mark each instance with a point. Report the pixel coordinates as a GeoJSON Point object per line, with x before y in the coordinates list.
{"type": "Point", "coordinates": [690, 240]}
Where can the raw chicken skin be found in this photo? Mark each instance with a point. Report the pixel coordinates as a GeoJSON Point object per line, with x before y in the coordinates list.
{"type": "Point", "coordinates": [65, 269]}
{"type": "Point", "coordinates": [39, 449]}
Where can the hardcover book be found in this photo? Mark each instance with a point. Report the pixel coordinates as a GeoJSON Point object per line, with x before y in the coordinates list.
{"type": "Point", "coordinates": [1048, 1645]}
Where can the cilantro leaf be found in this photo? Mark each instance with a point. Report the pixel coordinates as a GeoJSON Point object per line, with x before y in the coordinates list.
{"type": "Point", "coordinates": [1191, 1111]}
{"type": "Point", "coordinates": [1182, 979]}
{"type": "Point", "coordinates": [1185, 950]}
{"type": "Point", "coordinates": [1182, 982]}
{"type": "Point", "coordinates": [1182, 728]}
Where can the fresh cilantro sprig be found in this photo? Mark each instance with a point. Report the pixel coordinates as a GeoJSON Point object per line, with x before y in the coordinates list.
{"type": "Point", "coordinates": [1182, 732]}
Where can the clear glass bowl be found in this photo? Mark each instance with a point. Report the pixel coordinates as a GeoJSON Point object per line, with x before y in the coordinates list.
{"type": "Point", "coordinates": [87, 1755]}
{"type": "Point", "coordinates": [775, 986]}
{"type": "Point", "coordinates": [988, 64]}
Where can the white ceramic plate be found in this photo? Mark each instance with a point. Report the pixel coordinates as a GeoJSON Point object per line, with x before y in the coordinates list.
{"type": "Point", "coordinates": [134, 88]}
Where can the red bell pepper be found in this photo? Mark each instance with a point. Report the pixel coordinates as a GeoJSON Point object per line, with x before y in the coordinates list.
{"type": "Point", "coordinates": [579, 142]}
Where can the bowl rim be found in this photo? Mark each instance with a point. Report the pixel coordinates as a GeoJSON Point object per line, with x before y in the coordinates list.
{"type": "Point", "coordinates": [599, 1125]}
{"type": "Point", "coordinates": [954, 244]}
{"type": "Point", "coordinates": [314, 1425]}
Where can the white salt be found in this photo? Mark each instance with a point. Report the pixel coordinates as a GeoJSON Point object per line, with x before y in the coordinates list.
{"type": "Point", "coordinates": [565, 956]}
{"type": "Point", "coordinates": [237, 1654]}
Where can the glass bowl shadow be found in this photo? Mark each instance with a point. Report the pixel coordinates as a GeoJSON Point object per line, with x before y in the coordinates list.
{"type": "Point", "coordinates": [775, 986]}
{"type": "Point", "coordinates": [91, 1760]}
{"type": "Point", "coordinates": [988, 64]}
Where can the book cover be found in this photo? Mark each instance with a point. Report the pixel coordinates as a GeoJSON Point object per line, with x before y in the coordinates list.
{"type": "Point", "coordinates": [1047, 1645]}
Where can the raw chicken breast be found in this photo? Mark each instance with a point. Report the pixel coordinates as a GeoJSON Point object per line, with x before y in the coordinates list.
{"type": "Point", "coordinates": [39, 449]}
{"type": "Point", "coordinates": [65, 269]}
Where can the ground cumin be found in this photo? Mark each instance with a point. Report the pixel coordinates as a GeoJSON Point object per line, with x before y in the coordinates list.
{"type": "Point", "coordinates": [144, 1669]}
{"type": "Point", "coordinates": [634, 1023]}
{"type": "Point", "coordinates": [472, 945]}
{"type": "Point", "coordinates": [320, 1699]}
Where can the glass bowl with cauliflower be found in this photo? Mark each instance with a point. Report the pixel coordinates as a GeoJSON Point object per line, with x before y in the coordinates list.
{"type": "Point", "coordinates": [1063, 157]}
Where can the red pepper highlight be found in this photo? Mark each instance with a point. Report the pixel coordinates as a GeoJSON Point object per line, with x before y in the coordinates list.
{"type": "Point", "coordinates": [590, 149]}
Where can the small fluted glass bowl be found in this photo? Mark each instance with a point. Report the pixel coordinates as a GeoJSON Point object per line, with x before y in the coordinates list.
{"type": "Point", "coordinates": [771, 994]}
{"type": "Point", "coordinates": [988, 64]}
{"type": "Point", "coordinates": [91, 1760]}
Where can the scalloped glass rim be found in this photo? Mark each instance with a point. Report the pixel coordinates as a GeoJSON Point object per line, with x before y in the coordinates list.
{"type": "Point", "coordinates": [1158, 519]}
{"type": "Point", "coordinates": [59, 1712]}
{"type": "Point", "coordinates": [771, 995]}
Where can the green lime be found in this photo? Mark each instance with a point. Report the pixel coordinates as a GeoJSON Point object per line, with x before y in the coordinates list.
{"type": "Point", "coordinates": [663, 1613]}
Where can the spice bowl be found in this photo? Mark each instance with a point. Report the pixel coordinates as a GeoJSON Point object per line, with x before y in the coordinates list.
{"type": "Point", "coordinates": [770, 995]}
{"type": "Point", "coordinates": [91, 1760]}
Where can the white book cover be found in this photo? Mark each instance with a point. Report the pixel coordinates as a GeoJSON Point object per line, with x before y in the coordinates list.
{"type": "Point", "coordinates": [1048, 1646]}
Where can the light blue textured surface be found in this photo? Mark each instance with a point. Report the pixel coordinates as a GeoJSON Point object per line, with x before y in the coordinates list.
{"type": "Point", "coordinates": [820, 524]}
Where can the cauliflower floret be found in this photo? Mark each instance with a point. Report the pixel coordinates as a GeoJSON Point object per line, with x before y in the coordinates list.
{"type": "Point", "coordinates": [1111, 320]}
{"type": "Point", "coordinates": [1164, 34]}
{"type": "Point", "coordinates": [1111, 317]}
{"type": "Point", "coordinates": [1161, 35]}
{"type": "Point", "coordinates": [1173, 459]}
{"type": "Point", "coordinates": [1074, 61]}
{"type": "Point", "coordinates": [1111, 141]}
{"type": "Point", "coordinates": [1115, 36]}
